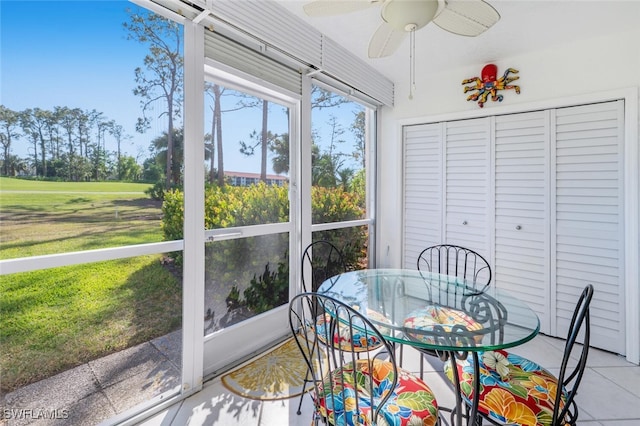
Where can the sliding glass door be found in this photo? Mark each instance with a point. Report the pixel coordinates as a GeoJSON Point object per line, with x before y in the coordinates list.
{"type": "Point", "coordinates": [248, 218]}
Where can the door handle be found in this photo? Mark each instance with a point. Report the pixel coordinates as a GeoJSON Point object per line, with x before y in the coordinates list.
{"type": "Point", "coordinates": [223, 236]}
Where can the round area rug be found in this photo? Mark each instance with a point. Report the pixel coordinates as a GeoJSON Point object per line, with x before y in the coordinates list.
{"type": "Point", "coordinates": [278, 374]}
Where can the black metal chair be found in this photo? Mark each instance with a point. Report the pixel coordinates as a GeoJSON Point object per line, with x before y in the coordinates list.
{"type": "Point", "coordinates": [461, 262]}
{"type": "Point", "coordinates": [323, 260]}
{"type": "Point", "coordinates": [353, 388]}
{"type": "Point", "coordinates": [516, 391]}
{"type": "Point", "coordinates": [457, 261]}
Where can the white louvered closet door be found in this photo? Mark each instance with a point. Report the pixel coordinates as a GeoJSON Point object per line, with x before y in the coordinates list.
{"type": "Point", "coordinates": [422, 224]}
{"type": "Point", "coordinates": [467, 184]}
{"type": "Point", "coordinates": [588, 239]}
{"type": "Point", "coordinates": [521, 257]}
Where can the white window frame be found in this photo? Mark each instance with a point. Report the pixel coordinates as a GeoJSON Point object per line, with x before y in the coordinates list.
{"type": "Point", "coordinates": [371, 165]}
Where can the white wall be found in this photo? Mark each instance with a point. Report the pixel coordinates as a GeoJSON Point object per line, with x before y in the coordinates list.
{"type": "Point", "coordinates": [579, 68]}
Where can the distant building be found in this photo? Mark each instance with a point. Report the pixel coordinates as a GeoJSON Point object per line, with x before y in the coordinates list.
{"type": "Point", "coordinates": [246, 179]}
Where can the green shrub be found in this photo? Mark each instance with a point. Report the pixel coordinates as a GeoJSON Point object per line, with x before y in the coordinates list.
{"type": "Point", "coordinates": [335, 205]}
{"type": "Point", "coordinates": [156, 192]}
{"type": "Point", "coordinates": [268, 290]}
{"type": "Point", "coordinates": [173, 215]}
{"type": "Point", "coordinates": [233, 263]}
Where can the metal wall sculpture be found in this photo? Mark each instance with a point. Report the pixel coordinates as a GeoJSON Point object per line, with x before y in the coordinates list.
{"type": "Point", "coordinates": [488, 84]}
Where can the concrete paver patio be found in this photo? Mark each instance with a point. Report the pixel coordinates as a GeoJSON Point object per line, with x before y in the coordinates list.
{"type": "Point", "coordinates": [100, 389]}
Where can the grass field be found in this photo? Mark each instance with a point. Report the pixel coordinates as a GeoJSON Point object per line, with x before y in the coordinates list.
{"type": "Point", "coordinates": [55, 217]}
{"type": "Point", "coordinates": [58, 318]}
{"type": "Point", "coordinates": [11, 184]}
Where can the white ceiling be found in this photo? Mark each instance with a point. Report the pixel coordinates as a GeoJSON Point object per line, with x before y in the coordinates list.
{"type": "Point", "coordinates": [525, 26]}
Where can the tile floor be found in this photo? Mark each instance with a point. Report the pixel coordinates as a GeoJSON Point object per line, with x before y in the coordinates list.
{"type": "Point", "coordinates": [609, 394]}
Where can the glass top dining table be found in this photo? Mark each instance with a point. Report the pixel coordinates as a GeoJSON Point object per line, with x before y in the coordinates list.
{"type": "Point", "coordinates": [433, 311]}
{"type": "Point", "coordinates": [437, 314]}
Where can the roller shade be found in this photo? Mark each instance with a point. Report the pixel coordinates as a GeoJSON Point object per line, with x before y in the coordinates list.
{"type": "Point", "coordinates": [271, 28]}
{"type": "Point", "coordinates": [237, 56]}
{"type": "Point", "coordinates": [278, 27]}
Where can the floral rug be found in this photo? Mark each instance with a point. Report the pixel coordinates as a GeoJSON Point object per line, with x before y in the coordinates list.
{"type": "Point", "coordinates": [278, 374]}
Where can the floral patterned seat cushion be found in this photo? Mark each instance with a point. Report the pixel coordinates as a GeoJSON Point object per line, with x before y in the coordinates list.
{"type": "Point", "coordinates": [360, 342]}
{"type": "Point", "coordinates": [412, 403]}
{"type": "Point", "coordinates": [513, 390]}
{"type": "Point", "coordinates": [433, 319]}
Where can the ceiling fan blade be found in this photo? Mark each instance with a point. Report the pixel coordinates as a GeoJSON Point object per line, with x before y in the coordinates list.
{"type": "Point", "coordinates": [385, 41]}
{"type": "Point", "coordinates": [466, 17]}
{"type": "Point", "coordinates": [336, 7]}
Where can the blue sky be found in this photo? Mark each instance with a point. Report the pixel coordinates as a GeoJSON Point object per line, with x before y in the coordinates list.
{"type": "Point", "coordinates": [71, 53]}
{"type": "Point", "coordinates": [76, 54]}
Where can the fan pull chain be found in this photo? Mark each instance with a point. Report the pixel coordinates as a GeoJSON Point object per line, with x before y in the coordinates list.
{"type": "Point", "coordinates": [412, 62]}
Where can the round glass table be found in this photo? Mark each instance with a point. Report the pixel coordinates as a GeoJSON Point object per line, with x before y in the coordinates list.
{"type": "Point", "coordinates": [436, 313]}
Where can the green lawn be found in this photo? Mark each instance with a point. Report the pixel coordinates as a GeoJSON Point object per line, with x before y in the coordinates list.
{"type": "Point", "coordinates": [12, 184]}
{"type": "Point", "coordinates": [58, 318]}
{"type": "Point", "coordinates": [55, 217]}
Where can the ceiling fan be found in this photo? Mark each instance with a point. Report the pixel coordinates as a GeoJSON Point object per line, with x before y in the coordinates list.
{"type": "Point", "coordinates": [401, 17]}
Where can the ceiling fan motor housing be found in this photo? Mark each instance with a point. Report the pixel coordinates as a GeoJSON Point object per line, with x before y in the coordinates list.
{"type": "Point", "coordinates": [409, 15]}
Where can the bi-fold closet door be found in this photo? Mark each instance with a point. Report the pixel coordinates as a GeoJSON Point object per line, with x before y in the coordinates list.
{"type": "Point", "coordinates": [521, 181]}
{"type": "Point", "coordinates": [540, 194]}
{"type": "Point", "coordinates": [446, 186]}
{"type": "Point", "coordinates": [587, 218]}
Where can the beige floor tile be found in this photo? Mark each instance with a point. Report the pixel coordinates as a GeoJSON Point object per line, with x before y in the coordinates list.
{"type": "Point", "coordinates": [602, 399]}
{"type": "Point", "coordinates": [609, 394]}
{"type": "Point", "coordinates": [626, 377]}
{"type": "Point", "coordinates": [279, 413]}
{"type": "Point", "coordinates": [599, 358]}
{"type": "Point", "coordinates": [216, 406]}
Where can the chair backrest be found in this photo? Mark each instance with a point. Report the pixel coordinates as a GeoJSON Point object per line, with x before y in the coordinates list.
{"type": "Point", "coordinates": [461, 262]}
{"type": "Point", "coordinates": [570, 377]}
{"type": "Point", "coordinates": [331, 367]}
{"type": "Point", "coordinates": [322, 260]}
